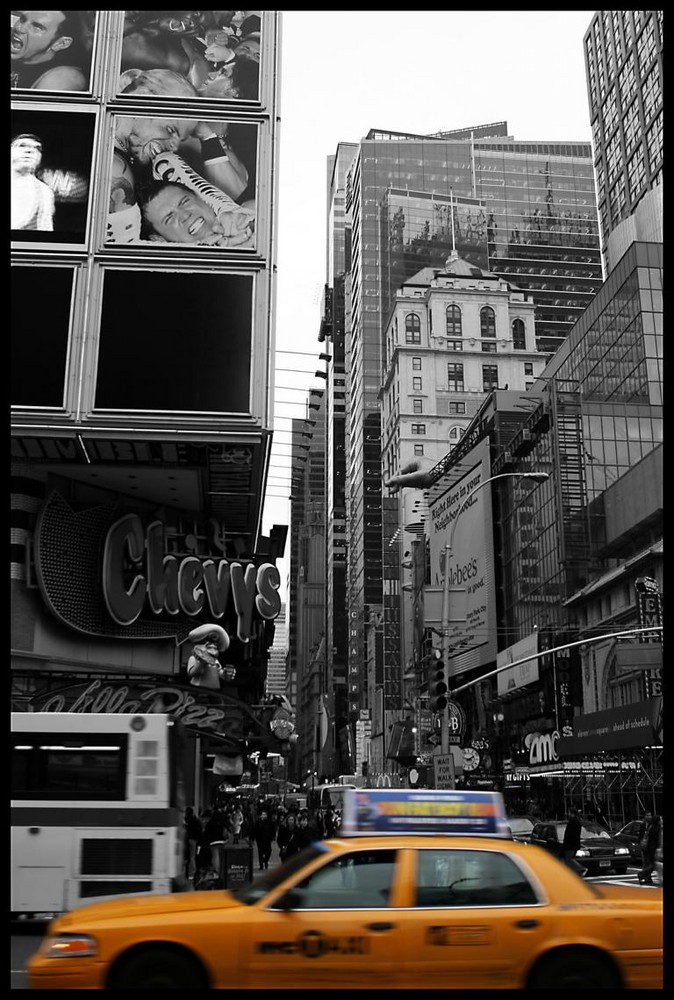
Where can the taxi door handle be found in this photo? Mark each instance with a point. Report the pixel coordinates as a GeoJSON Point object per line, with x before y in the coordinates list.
{"type": "Point", "coordinates": [526, 924]}
{"type": "Point", "coordinates": [382, 925]}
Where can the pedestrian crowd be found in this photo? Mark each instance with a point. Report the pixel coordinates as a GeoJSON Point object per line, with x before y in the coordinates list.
{"type": "Point", "coordinates": [249, 822]}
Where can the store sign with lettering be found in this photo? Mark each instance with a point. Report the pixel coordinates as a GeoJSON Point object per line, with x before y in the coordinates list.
{"type": "Point", "coordinates": [208, 712]}
{"type": "Point", "coordinates": [172, 583]}
{"type": "Point", "coordinates": [109, 575]}
{"type": "Point", "coordinates": [542, 747]}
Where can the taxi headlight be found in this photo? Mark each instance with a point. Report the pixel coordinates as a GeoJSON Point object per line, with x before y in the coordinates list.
{"type": "Point", "coordinates": [582, 852]}
{"type": "Point", "coordinates": [622, 850]}
{"type": "Point", "coordinates": [69, 946]}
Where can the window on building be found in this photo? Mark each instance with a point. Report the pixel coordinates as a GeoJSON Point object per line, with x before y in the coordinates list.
{"type": "Point", "coordinates": [416, 364]}
{"type": "Point", "coordinates": [488, 347]}
{"type": "Point", "coordinates": [455, 433]}
{"type": "Point", "coordinates": [418, 428]}
{"type": "Point", "coordinates": [417, 406]}
{"type": "Point", "coordinates": [412, 329]}
{"type": "Point", "coordinates": [453, 321]}
{"type": "Point", "coordinates": [418, 449]}
{"type": "Point", "coordinates": [489, 377]}
{"type": "Point", "coordinates": [455, 345]}
{"type": "Point", "coordinates": [632, 127]}
{"type": "Point", "coordinates": [636, 173]}
{"type": "Point", "coordinates": [652, 93]}
{"type": "Point", "coordinates": [654, 142]}
{"type": "Point", "coordinates": [455, 377]}
{"type": "Point", "coordinates": [416, 384]}
{"type": "Point", "coordinates": [519, 338]}
{"type": "Point", "coordinates": [487, 322]}
{"type": "Point", "coordinates": [457, 408]}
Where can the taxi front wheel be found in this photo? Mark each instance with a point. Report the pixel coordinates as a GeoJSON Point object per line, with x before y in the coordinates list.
{"type": "Point", "coordinates": [154, 968]}
{"type": "Point", "coordinates": [574, 969]}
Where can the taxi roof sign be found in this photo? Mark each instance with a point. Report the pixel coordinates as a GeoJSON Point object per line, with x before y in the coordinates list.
{"type": "Point", "coordinates": [428, 810]}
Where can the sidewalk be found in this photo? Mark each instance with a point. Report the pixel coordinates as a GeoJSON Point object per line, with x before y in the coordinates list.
{"type": "Point", "coordinates": [274, 860]}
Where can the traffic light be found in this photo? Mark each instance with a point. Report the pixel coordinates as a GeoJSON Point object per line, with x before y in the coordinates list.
{"type": "Point", "coordinates": [437, 684]}
{"type": "Point", "coordinates": [499, 723]}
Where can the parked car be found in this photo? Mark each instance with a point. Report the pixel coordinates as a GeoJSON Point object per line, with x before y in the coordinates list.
{"type": "Point", "coordinates": [630, 835]}
{"type": "Point", "coordinates": [521, 827]}
{"type": "Point", "coordinates": [599, 852]}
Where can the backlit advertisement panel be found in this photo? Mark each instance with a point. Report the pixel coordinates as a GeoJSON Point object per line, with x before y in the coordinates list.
{"type": "Point", "coordinates": [472, 598]}
{"type": "Point", "coordinates": [212, 54]}
{"type": "Point", "coordinates": [177, 180]}
{"type": "Point", "coordinates": [50, 50]}
{"type": "Point", "coordinates": [183, 341]}
{"type": "Point", "coordinates": [51, 167]}
{"type": "Point", "coordinates": [512, 678]}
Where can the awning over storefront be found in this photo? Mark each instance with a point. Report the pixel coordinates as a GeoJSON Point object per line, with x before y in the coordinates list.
{"type": "Point", "coordinates": [623, 728]}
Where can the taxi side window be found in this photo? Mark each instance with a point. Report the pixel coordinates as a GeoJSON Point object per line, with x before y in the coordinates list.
{"type": "Point", "coordinates": [361, 880]}
{"type": "Point", "coordinates": [470, 878]}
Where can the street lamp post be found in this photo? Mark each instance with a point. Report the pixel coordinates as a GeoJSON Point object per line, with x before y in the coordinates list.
{"type": "Point", "coordinates": [538, 477]}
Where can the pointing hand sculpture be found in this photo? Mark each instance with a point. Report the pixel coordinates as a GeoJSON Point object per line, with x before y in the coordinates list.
{"type": "Point", "coordinates": [411, 475]}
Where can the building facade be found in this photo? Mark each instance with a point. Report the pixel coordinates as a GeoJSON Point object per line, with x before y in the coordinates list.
{"type": "Point", "coordinates": [141, 386]}
{"type": "Point", "coordinates": [530, 210]}
{"type": "Point", "coordinates": [623, 65]}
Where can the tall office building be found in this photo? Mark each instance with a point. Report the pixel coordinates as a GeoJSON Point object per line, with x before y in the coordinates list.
{"type": "Point", "coordinates": [278, 654]}
{"type": "Point", "coordinates": [529, 210]}
{"type": "Point", "coordinates": [623, 62]}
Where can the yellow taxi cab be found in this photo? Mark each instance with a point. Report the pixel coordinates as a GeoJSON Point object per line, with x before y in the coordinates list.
{"type": "Point", "coordinates": [423, 889]}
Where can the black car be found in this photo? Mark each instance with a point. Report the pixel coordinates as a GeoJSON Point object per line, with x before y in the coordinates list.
{"type": "Point", "coordinates": [521, 827]}
{"type": "Point", "coordinates": [599, 853]}
{"type": "Point", "coordinates": [630, 836]}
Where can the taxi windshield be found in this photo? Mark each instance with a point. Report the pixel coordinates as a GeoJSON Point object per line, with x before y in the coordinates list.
{"type": "Point", "coordinates": [249, 894]}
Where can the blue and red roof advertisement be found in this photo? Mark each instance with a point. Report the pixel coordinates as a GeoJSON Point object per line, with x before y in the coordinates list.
{"type": "Point", "coordinates": [394, 810]}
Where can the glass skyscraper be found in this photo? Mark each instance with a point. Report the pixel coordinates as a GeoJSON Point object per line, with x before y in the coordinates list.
{"type": "Point", "coordinates": [531, 208]}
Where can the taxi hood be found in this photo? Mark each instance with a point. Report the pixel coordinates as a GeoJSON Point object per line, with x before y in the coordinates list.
{"type": "Point", "coordinates": [130, 907]}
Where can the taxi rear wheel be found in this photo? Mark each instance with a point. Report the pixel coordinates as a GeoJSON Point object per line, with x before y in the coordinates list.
{"type": "Point", "coordinates": [571, 969]}
{"type": "Point", "coordinates": [157, 968]}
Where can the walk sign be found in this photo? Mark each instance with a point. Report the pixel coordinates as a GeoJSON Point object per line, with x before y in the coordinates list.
{"type": "Point", "coordinates": [443, 768]}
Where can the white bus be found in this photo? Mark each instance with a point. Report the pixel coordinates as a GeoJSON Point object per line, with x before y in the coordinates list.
{"type": "Point", "coordinates": [97, 808]}
{"type": "Point", "coordinates": [320, 798]}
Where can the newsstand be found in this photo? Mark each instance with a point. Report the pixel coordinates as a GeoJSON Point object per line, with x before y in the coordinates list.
{"type": "Point", "coordinates": [237, 865]}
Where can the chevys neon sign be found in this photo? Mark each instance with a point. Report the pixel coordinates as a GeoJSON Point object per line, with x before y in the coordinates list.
{"type": "Point", "coordinates": [180, 583]}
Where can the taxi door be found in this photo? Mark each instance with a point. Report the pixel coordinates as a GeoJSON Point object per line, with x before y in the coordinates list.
{"type": "Point", "coordinates": [473, 921]}
{"type": "Point", "coordinates": [339, 931]}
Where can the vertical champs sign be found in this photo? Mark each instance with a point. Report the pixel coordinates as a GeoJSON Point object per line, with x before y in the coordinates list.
{"type": "Point", "coordinates": [649, 605]}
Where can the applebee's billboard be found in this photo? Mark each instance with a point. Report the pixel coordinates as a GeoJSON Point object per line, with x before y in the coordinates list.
{"type": "Point", "coordinates": [472, 603]}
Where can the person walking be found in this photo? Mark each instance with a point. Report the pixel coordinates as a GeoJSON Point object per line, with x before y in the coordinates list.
{"type": "Point", "coordinates": [649, 845]}
{"type": "Point", "coordinates": [285, 834]}
{"type": "Point", "coordinates": [264, 832]}
{"type": "Point", "coordinates": [571, 842]}
{"type": "Point", "coordinates": [236, 822]}
{"type": "Point", "coordinates": [193, 833]}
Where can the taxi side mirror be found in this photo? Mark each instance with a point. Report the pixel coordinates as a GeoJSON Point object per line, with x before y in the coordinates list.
{"type": "Point", "coordinates": [290, 900]}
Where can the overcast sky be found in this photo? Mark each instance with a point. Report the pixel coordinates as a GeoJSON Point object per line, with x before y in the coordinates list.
{"type": "Point", "coordinates": [345, 72]}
